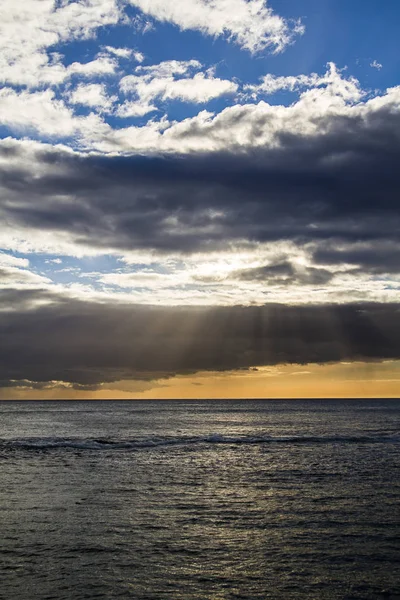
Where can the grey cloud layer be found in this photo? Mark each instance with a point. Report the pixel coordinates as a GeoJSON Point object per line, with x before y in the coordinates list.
{"type": "Point", "coordinates": [285, 273]}
{"type": "Point", "coordinates": [341, 184]}
{"type": "Point", "coordinates": [87, 343]}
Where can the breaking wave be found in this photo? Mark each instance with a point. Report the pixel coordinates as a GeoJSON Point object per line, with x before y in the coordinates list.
{"type": "Point", "coordinates": [154, 442]}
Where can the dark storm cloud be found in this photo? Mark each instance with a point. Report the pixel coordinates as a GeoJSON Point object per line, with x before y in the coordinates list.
{"type": "Point", "coordinates": [88, 343]}
{"type": "Point", "coordinates": [375, 258]}
{"type": "Point", "coordinates": [285, 273]}
{"type": "Point", "coordinates": [17, 299]}
{"type": "Point", "coordinates": [342, 184]}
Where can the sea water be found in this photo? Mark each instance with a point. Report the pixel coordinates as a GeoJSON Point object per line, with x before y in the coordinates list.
{"type": "Point", "coordinates": [200, 500]}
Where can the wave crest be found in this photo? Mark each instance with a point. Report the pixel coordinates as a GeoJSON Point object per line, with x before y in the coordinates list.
{"type": "Point", "coordinates": [97, 443]}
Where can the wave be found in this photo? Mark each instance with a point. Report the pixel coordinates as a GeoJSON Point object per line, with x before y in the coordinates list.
{"type": "Point", "coordinates": [154, 442]}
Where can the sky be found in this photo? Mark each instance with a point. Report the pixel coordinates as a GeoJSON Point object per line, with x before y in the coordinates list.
{"type": "Point", "coordinates": [199, 198]}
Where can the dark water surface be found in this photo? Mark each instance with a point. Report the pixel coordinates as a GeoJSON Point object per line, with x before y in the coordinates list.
{"type": "Point", "coordinates": [200, 500]}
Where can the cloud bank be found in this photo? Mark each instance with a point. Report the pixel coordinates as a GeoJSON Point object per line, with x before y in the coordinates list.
{"type": "Point", "coordinates": [298, 176]}
{"type": "Point", "coordinates": [88, 343]}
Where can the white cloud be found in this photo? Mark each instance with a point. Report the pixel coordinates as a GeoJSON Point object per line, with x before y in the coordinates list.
{"type": "Point", "coordinates": [138, 56]}
{"type": "Point", "coordinates": [160, 82]}
{"type": "Point", "coordinates": [142, 25]}
{"type": "Point", "coordinates": [168, 68]}
{"type": "Point", "coordinates": [270, 84]}
{"type": "Point", "coordinates": [54, 261]}
{"type": "Point", "coordinates": [16, 278]}
{"type": "Point", "coordinates": [37, 112]}
{"type": "Point", "coordinates": [249, 23]}
{"type": "Point", "coordinates": [40, 70]}
{"type": "Point", "coordinates": [134, 109]}
{"type": "Point", "coordinates": [237, 127]}
{"type": "Point", "coordinates": [376, 65]}
{"type": "Point", "coordinates": [8, 260]}
{"type": "Point", "coordinates": [29, 28]}
{"type": "Point", "coordinates": [240, 127]}
{"type": "Point", "coordinates": [197, 89]}
{"type": "Point", "coordinates": [125, 53]}
{"type": "Point", "coordinates": [334, 83]}
{"type": "Point", "coordinates": [212, 279]}
{"type": "Point", "coordinates": [93, 95]}
{"type": "Point", "coordinates": [119, 52]}
{"type": "Point", "coordinates": [144, 279]}
{"type": "Point", "coordinates": [42, 113]}
{"type": "Point", "coordinates": [102, 65]}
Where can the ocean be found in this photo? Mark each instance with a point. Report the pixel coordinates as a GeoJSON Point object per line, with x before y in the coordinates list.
{"type": "Point", "coordinates": [193, 500]}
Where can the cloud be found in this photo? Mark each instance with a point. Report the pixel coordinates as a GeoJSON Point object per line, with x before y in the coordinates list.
{"type": "Point", "coordinates": [7, 260]}
{"type": "Point", "coordinates": [303, 173]}
{"type": "Point", "coordinates": [29, 36]}
{"type": "Point", "coordinates": [335, 84]}
{"type": "Point", "coordinates": [315, 177]}
{"type": "Point", "coordinates": [376, 65]}
{"type": "Point", "coordinates": [139, 56]}
{"type": "Point", "coordinates": [102, 65]}
{"type": "Point", "coordinates": [250, 24]}
{"type": "Point", "coordinates": [16, 275]}
{"type": "Point", "coordinates": [28, 31]}
{"type": "Point", "coordinates": [168, 68]}
{"type": "Point", "coordinates": [270, 84]}
{"type": "Point", "coordinates": [286, 273]}
{"type": "Point", "coordinates": [91, 343]}
{"type": "Point", "coordinates": [44, 113]}
{"type": "Point", "coordinates": [41, 113]}
{"type": "Point", "coordinates": [10, 277]}
{"type": "Point", "coordinates": [240, 127]}
{"type": "Point", "coordinates": [134, 109]}
{"type": "Point", "coordinates": [160, 82]}
{"type": "Point", "coordinates": [374, 257]}
{"type": "Point", "coordinates": [37, 111]}
{"type": "Point", "coordinates": [125, 53]}
{"type": "Point", "coordinates": [93, 95]}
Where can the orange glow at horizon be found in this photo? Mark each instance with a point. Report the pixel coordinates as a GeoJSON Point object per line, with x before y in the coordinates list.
{"type": "Point", "coordinates": [337, 380]}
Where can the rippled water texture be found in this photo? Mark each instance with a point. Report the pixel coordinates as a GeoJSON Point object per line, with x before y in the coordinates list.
{"type": "Point", "coordinates": [200, 500]}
